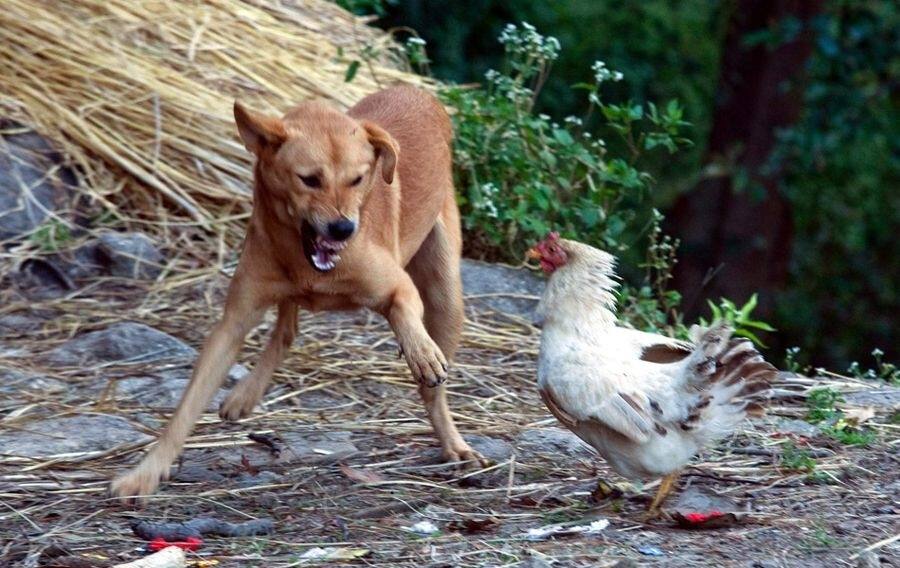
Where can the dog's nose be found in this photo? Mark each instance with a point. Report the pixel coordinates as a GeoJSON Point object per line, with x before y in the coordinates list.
{"type": "Point", "coordinates": [341, 229]}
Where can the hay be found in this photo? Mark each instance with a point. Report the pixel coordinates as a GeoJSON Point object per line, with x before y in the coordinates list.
{"type": "Point", "coordinates": [139, 94]}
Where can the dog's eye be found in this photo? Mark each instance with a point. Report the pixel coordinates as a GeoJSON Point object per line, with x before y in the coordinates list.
{"type": "Point", "coordinates": [356, 181]}
{"type": "Point", "coordinates": [311, 181]}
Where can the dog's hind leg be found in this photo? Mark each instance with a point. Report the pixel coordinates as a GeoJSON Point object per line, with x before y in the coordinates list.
{"type": "Point", "coordinates": [435, 271]}
{"type": "Point", "coordinates": [247, 393]}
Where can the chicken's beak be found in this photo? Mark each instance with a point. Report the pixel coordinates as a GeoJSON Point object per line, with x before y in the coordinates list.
{"type": "Point", "coordinates": [533, 253]}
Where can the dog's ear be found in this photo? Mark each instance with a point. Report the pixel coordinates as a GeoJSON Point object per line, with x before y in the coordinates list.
{"type": "Point", "coordinates": [258, 131]}
{"type": "Point", "coordinates": [386, 148]}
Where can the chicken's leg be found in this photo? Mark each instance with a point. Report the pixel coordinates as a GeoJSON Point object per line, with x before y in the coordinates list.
{"type": "Point", "coordinates": [665, 487]}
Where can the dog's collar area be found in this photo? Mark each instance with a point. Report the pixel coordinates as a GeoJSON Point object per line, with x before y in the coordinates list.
{"type": "Point", "coordinates": [321, 252]}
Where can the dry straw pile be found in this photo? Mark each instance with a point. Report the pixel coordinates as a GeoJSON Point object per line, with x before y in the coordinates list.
{"type": "Point", "coordinates": [138, 95]}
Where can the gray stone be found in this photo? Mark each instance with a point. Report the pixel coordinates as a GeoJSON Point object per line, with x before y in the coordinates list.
{"type": "Point", "coordinates": [32, 181]}
{"type": "Point", "coordinates": [533, 562]}
{"type": "Point", "coordinates": [495, 450]}
{"type": "Point", "coordinates": [161, 390]}
{"type": "Point", "coordinates": [553, 441]}
{"type": "Point", "coordinates": [70, 436]}
{"type": "Point", "coordinates": [868, 559]}
{"type": "Point", "coordinates": [501, 287]}
{"type": "Point", "coordinates": [130, 255]}
{"type": "Point", "coordinates": [125, 342]}
{"type": "Point", "coordinates": [324, 447]}
{"type": "Point", "coordinates": [695, 499]}
{"type": "Point", "coordinates": [795, 426]}
{"type": "Point", "coordinates": [882, 397]}
{"type": "Point", "coordinates": [19, 324]}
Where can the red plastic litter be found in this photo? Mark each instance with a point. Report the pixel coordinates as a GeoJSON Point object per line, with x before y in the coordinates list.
{"type": "Point", "coordinates": [159, 543]}
{"type": "Point", "coordinates": [700, 517]}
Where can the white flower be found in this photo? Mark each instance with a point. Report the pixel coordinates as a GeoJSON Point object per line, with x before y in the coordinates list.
{"type": "Point", "coordinates": [415, 41]}
{"type": "Point", "coordinates": [603, 73]}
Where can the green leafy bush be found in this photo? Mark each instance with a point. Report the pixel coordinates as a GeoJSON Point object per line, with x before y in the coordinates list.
{"type": "Point", "coordinates": [520, 174]}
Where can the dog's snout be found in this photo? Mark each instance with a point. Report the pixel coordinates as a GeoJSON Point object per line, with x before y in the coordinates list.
{"type": "Point", "coordinates": [341, 229]}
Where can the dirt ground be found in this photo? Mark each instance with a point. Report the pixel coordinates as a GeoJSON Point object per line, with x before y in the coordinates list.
{"type": "Point", "coordinates": [820, 504]}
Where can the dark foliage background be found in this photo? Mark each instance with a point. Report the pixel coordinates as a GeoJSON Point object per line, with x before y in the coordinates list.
{"type": "Point", "coordinates": [830, 167]}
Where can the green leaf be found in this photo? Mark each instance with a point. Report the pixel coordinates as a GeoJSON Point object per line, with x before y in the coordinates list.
{"type": "Point", "coordinates": [563, 137]}
{"type": "Point", "coordinates": [548, 158]}
{"type": "Point", "coordinates": [351, 71]}
{"type": "Point", "coordinates": [749, 307]}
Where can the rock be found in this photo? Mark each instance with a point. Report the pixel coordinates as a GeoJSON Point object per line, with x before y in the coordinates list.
{"type": "Point", "coordinates": [16, 324]}
{"type": "Point", "coordinates": [882, 397]}
{"type": "Point", "coordinates": [796, 427]}
{"type": "Point", "coordinates": [162, 390]}
{"type": "Point", "coordinates": [70, 435]}
{"type": "Point", "coordinates": [196, 474]}
{"type": "Point", "coordinates": [129, 255]}
{"type": "Point", "coordinates": [501, 286]}
{"type": "Point", "coordinates": [33, 181]}
{"type": "Point", "coordinates": [553, 441]}
{"type": "Point", "coordinates": [491, 448]}
{"type": "Point", "coordinates": [533, 562]}
{"type": "Point", "coordinates": [868, 560]}
{"type": "Point", "coordinates": [325, 447]}
{"type": "Point", "coordinates": [265, 477]}
{"type": "Point", "coordinates": [695, 499]}
{"type": "Point", "coordinates": [14, 383]}
{"type": "Point", "coordinates": [125, 342]}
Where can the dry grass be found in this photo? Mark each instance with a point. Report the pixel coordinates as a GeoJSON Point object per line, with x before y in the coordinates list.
{"type": "Point", "coordinates": [139, 94]}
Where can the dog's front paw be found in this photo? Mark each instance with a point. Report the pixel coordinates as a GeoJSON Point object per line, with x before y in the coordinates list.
{"type": "Point", "coordinates": [239, 403]}
{"type": "Point", "coordinates": [137, 483]}
{"type": "Point", "coordinates": [466, 456]}
{"type": "Point", "coordinates": [427, 363]}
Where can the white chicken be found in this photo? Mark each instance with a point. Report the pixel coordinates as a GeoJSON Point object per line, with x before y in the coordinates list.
{"type": "Point", "coordinates": [647, 403]}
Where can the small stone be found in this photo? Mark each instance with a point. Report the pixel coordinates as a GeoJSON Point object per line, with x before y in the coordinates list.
{"type": "Point", "coordinates": [130, 255]}
{"type": "Point", "coordinates": [502, 287]}
{"type": "Point", "coordinates": [551, 441]}
{"type": "Point", "coordinates": [494, 450]}
{"type": "Point", "coordinates": [125, 342]}
{"type": "Point", "coordinates": [70, 436]}
{"type": "Point", "coordinates": [868, 560]}
{"type": "Point", "coordinates": [848, 527]}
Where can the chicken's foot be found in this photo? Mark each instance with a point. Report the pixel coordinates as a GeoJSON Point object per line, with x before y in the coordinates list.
{"type": "Point", "coordinates": [665, 487]}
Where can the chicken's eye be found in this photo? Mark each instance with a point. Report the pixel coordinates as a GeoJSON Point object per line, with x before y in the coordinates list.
{"type": "Point", "coordinates": [311, 181]}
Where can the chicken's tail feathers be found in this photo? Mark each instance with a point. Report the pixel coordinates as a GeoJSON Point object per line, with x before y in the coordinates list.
{"type": "Point", "coordinates": [731, 370]}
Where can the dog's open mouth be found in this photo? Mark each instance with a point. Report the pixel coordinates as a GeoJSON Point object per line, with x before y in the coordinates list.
{"type": "Point", "coordinates": [322, 253]}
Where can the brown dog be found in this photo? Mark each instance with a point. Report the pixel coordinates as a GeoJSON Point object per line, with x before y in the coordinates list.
{"type": "Point", "coordinates": [350, 210]}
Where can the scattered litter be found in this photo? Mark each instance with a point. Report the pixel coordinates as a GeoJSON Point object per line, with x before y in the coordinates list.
{"type": "Point", "coordinates": [651, 551]}
{"type": "Point", "coordinates": [711, 520]}
{"type": "Point", "coordinates": [160, 543]}
{"type": "Point", "coordinates": [169, 557]}
{"type": "Point", "coordinates": [553, 531]}
{"type": "Point", "coordinates": [424, 528]}
{"type": "Point", "coordinates": [333, 553]}
{"type": "Point", "coordinates": [275, 445]}
{"type": "Point", "coordinates": [700, 509]}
